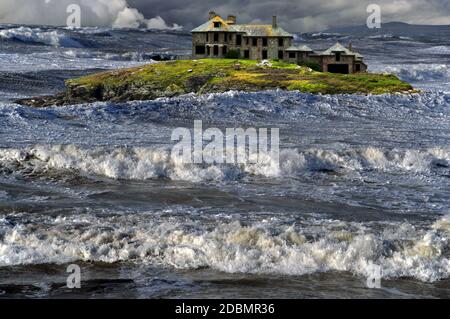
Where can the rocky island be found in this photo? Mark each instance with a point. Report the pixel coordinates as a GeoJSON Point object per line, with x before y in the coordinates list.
{"type": "Point", "coordinates": [172, 78]}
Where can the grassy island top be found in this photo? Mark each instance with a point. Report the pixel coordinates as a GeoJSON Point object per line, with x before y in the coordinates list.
{"type": "Point", "coordinates": [219, 75]}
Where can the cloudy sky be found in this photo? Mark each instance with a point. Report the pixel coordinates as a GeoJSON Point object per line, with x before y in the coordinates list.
{"type": "Point", "coordinates": [294, 15]}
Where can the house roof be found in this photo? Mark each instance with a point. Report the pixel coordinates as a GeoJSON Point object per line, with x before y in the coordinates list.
{"type": "Point", "coordinates": [251, 30]}
{"type": "Point", "coordinates": [209, 25]}
{"type": "Point", "coordinates": [331, 51]}
{"type": "Point", "coordinates": [300, 48]}
{"type": "Point", "coordinates": [340, 48]}
{"type": "Point", "coordinates": [254, 30]}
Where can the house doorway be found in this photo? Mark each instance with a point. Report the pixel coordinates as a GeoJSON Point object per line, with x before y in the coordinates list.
{"type": "Point", "coordinates": [280, 55]}
{"type": "Point", "coordinates": [264, 54]}
{"type": "Point", "coordinates": [338, 68]}
{"type": "Point", "coordinates": [216, 50]}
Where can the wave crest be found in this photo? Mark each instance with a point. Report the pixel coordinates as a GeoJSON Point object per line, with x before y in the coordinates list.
{"type": "Point", "coordinates": [141, 163]}
{"type": "Point", "coordinates": [38, 36]}
{"type": "Point", "coordinates": [402, 250]}
{"type": "Point", "coordinates": [421, 72]}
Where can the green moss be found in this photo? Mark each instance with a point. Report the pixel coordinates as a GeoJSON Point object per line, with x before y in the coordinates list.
{"type": "Point", "coordinates": [218, 75]}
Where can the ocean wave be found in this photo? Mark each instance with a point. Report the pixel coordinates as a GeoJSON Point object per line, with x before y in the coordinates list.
{"type": "Point", "coordinates": [389, 37]}
{"type": "Point", "coordinates": [126, 56]}
{"type": "Point", "coordinates": [441, 49]}
{"type": "Point", "coordinates": [259, 247]}
{"type": "Point", "coordinates": [4, 195]}
{"type": "Point", "coordinates": [141, 163]}
{"type": "Point", "coordinates": [253, 107]}
{"type": "Point", "coordinates": [94, 31]}
{"type": "Point", "coordinates": [326, 35]}
{"type": "Point", "coordinates": [421, 72]}
{"type": "Point", "coordinates": [38, 36]}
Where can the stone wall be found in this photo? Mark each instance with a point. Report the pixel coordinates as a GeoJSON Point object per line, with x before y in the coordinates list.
{"type": "Point", "coordinates": [256, 52]}
{"type": "Point", "coordinates": [326, 60]}
{"type": "Point", "coordinates": [229, 41]}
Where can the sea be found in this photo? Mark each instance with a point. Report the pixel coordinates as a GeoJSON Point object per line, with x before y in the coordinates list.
{"type": "Point", "coordinates": [361, 193]}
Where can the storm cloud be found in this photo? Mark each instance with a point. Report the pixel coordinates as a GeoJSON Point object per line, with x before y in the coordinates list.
{"type": "Point", "coordinates": [294, 15]}
{"type": "Point", "coordinates": [299, 15]}
{"type": "Point", "coordinates": [115, 13]}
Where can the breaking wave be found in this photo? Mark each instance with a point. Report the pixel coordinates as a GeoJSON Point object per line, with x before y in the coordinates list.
{"type": "Point", "coordinates": [421, 72]}
{"type": "Point", "coordinates": [389, 37]}
{"type": "Point", "coordinates": [127, 56]}
{"type": "Point", "coordinates": [140, 163]}
{"type": "Point", "coordinates": [251, 107]}
{"type": "Point", "coordinates": [38, 36]}
{"type": "Point", "coordinates": [260, 247]}
{"type": "Point", "coordinates": [441, 49]}
{"type": "Point", "coordinates": [326, 35]}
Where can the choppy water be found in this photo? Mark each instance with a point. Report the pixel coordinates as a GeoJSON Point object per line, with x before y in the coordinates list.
{"type": "Point", "coordinates": [363, 180]}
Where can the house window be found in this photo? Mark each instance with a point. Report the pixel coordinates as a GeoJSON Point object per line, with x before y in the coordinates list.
{"type": "Point", "coordinates": [358, 68]}
{"type": "Point", "coordinates": [280, 42]}
{"type": "Point", "coordinates": [216, 50]}
{"type": "Point", "coordinates": [264, 42]}
{"type": "Point", "coordinates": [292, 55]}
{"type": "Point", "coordinates": [264, 54]}
{"type": "Point", "coordinates": [255, 42]}
{"type": "Point", "coordinates": [217, 24]}
{"type": "Point", "coordinates": [247, 54]}
{"type": "Point", "coordinates": [338, 56]}
{"type": "Point", "coordinates": [216, 37]}
{"type": "Point", "coordinates": [200, 49]}
{"type": "Point", "coordinates": [247, 41]}
{"type": "Point", "coordinates": [224, 50]}
{"type": "Point", "coordinates": [207, 37]}
{"type": "Point", "coordinates": [225, 37]}
{"type": "Point", "coordinates": [238, 39]}
{"type": "Point", "coordinates": [280, 54]}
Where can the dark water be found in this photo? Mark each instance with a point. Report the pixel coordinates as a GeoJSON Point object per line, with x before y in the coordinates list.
{"type": "Point", "coordinates": [362, 181]}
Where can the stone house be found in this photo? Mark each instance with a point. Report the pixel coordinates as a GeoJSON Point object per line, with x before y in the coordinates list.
{"type": "Point", "coordinates": [218, 36]}
{"type": "Point", "coordinates": [336, 59]}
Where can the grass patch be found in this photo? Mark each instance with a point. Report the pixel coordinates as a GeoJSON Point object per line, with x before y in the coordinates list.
{"type": "Point", "coordinates": [219, 75]}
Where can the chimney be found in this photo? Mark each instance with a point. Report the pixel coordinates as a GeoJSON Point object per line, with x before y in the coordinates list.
{"type": "Point", "coordinates": [274, 22]}
{"type": "Point", "coordinates": [350, 46]}
{"type": "Point", "coordinates": [211, 15]}
{"type": "Point", "coordinates": [231, 19]}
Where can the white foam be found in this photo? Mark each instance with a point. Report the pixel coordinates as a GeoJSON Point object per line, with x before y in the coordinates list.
{"type": "Point", "coordinates": [52, 38]}
{"type": "Point", "coordinates": [327, 35]}
{"type": "Point", "coordinates": [402, 250]}
{"type": "Point", "coordinates": [440, 49]}
{"type": "Point", "coordinates": [141, 163]}
{"type": "Point", "coordinates": [389, 36]}
{"type": "Point", "coordinates": [420, 72]}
